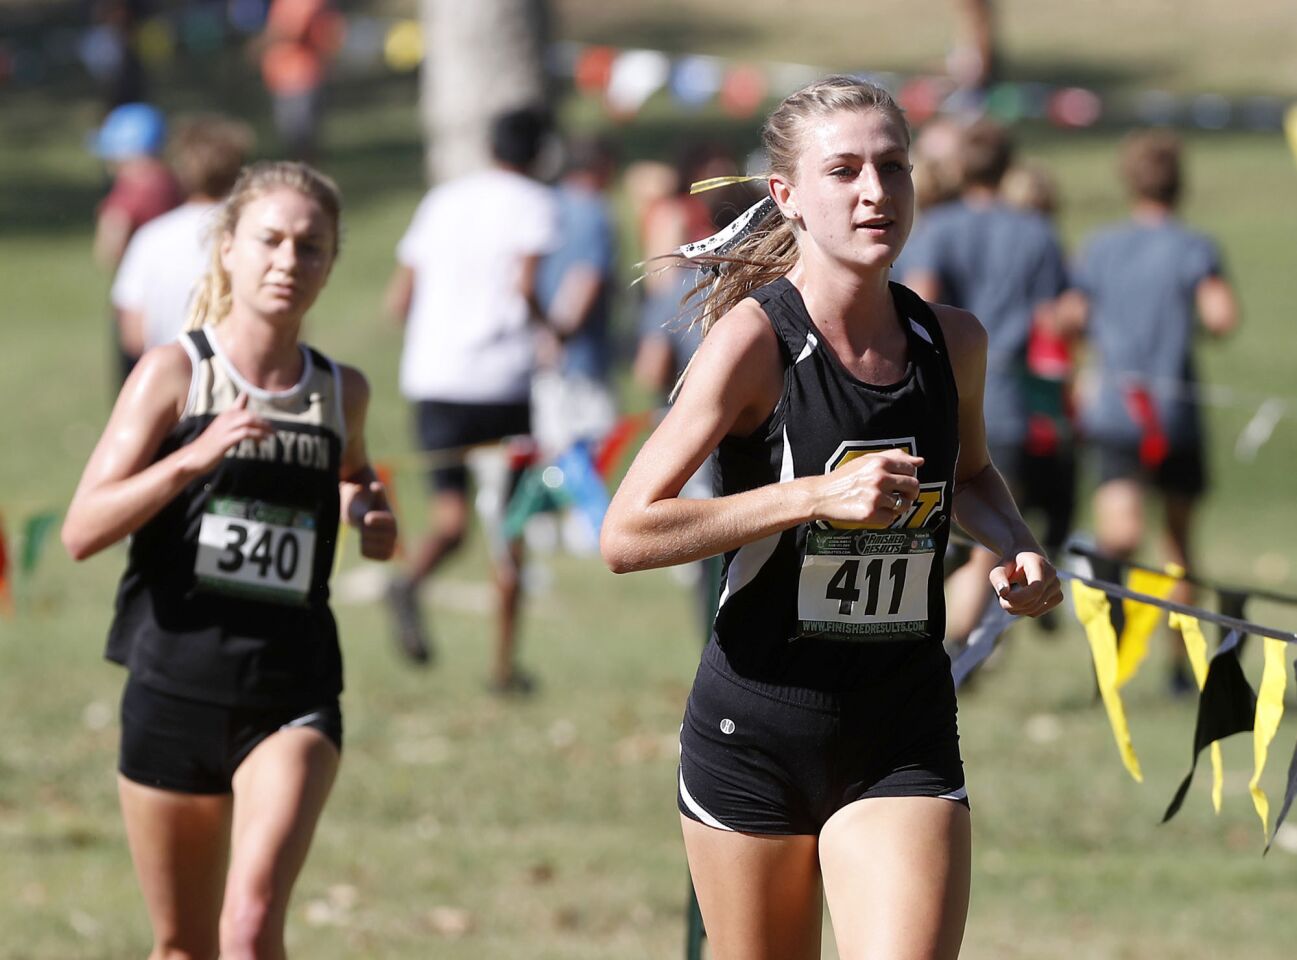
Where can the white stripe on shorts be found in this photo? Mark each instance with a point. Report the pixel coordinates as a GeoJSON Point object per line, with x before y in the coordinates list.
{"type": "Point", "coordinates": [305, 720]}
{"type": "Point", "coordinates": [696, 808]}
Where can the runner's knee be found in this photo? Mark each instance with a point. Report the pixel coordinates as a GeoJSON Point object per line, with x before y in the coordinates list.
{"type": "Point", "coordinates": [451, 537]}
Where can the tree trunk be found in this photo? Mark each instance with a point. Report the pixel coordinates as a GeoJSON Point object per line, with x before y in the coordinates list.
{"type": "Point", "coordinates": [482, 57]}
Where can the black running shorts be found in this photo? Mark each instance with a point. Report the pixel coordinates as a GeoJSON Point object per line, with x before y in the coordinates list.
{"type": "Point", "coordinates": [449, 428]}
{"type": "Point", "coordinates": [1182, 473]}
{"type": "Point", "coordinates": [765, 759]}
{"type": "Point", "coordinates": [177, 744]}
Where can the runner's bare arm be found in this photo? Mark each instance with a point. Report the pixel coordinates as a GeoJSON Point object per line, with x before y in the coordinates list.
{"type": "Point", "coordinates": [363, 498]}
{"type": "Point", "coordinates": [734, 382]}
{"type": "Point", "coordinates": [122, 487]}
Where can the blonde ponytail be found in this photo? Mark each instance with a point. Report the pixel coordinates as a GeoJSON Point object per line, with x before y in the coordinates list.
{"type": "Point", "coordinates": [211, 300]}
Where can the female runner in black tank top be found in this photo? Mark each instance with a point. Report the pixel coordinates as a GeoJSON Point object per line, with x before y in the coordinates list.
{"type": "Point", "coordinates": [837, 488]}
{"type": "Point", "coordinates": [228, 459]}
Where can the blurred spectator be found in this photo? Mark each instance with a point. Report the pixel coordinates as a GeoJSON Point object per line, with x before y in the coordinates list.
{"type": "Point", "coordinates": [936, 150]}
{"type": "Point", "coordinates": [168, 255]}
{"type": "Point", "coordinates": [934, 158]}
{"type": "Point", "coordinates": [465, 285]}
{"type": "Point", "coordinates": [1029, 186]}
{"type": "Point", "coordinates": [119, 70]}
{"type": "Point", "coordinates": [299, 39]}
{"type": "Point", "coordinates": [143, 187]}
{"type": "Point", "coordinates": [667, 337]}
{"type": "Point", "coordinates": [1049, 457]}
{"type": "Point", "coordinates": [1003, 264]}
{"type": "Point", "coordinates": [574, 287]}
{"type": "Point", "coordinates": [928, 188]}
{"type": "Point", "coordinates": [646, 183]}
{"type": "Point", "coordinates": [1143, 287]}
{"type": "Point", "coordinates": [681, 217]}
{"type": "Point", "coordinates": [973, 62]}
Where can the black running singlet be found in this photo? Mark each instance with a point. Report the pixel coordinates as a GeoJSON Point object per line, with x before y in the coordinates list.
{"type": "Point", "coordinates": [828, 605]}
{"type": "Point", "coordinates": [225, 594]}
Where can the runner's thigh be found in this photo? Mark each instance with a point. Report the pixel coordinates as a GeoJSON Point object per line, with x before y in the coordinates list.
{"type": "Point", "coordinates": [896, 877]}
{"type": "Point", "coordinates": [760, 895]}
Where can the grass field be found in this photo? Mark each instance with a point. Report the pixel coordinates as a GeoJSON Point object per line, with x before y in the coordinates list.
{"type": "Point", "coordinates": [464, 827]}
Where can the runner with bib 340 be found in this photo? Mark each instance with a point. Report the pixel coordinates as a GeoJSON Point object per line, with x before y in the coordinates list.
{"type": "Point", "coordinates": [819, 751]}
{"type": "Point", "coordinates": [229, 458]}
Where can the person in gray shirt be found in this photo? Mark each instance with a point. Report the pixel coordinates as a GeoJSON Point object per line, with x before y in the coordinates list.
{"type": "Point", "coordinates": [1143, 288]}
{"type": "Point", "coordinates": [1005, 265]}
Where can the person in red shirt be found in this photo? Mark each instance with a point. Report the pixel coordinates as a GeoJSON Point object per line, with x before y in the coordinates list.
{"type": "Point", "coordinates": [143, 187]}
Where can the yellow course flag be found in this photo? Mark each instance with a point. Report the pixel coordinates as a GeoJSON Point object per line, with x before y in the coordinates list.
{"type": "Point", "coordinates": [1092, 611]}
{"type": "Point", "coordinates": [1290, 129]}
{"type": "Point", "coordinates": [1195, 644]}
{"type": "Point", "coordinates": [1141, 620]}
{"type": "Point", "coordinates": [1269, 711]}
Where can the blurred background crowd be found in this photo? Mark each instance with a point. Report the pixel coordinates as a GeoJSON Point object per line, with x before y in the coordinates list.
{"type": "Point", "coordinates": [517, 176]}
{"type": "Point", "coordinates": [536, 355]}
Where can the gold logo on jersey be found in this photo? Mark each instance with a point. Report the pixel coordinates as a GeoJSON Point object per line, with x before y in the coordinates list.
{"type": "Point", "coordinates": [931, 499]}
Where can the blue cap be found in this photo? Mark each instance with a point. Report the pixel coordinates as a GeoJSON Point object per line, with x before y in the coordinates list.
{"type": "Point", "coordinates": [131, 130]}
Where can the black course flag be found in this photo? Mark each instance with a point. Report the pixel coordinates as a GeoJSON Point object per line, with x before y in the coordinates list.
{"type": "Point", "coordinates": [1226, 706]}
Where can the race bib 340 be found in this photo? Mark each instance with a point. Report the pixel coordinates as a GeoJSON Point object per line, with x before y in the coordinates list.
{"type": "Point", "coordinates": [254, 549]}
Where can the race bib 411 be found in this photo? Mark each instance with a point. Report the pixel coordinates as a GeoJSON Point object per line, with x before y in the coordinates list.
{"type": "Point", "coordinates": [864, 584]}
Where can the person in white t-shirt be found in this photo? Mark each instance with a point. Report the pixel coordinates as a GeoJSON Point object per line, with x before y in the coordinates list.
{"type": "Point", "coordinates": [465, 287]}
{"type": "Point", "coordinates": [169, 254]}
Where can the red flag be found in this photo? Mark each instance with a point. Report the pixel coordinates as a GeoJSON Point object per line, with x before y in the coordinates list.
{"type": "Point", "coordinates": [1153, 445]}
{"type": "Point", "coordinates": [1042, 435]}
{"type": "Point", "coordinates": [619, 437]}
{"type": "Point", "coordinates": [6, 596]}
